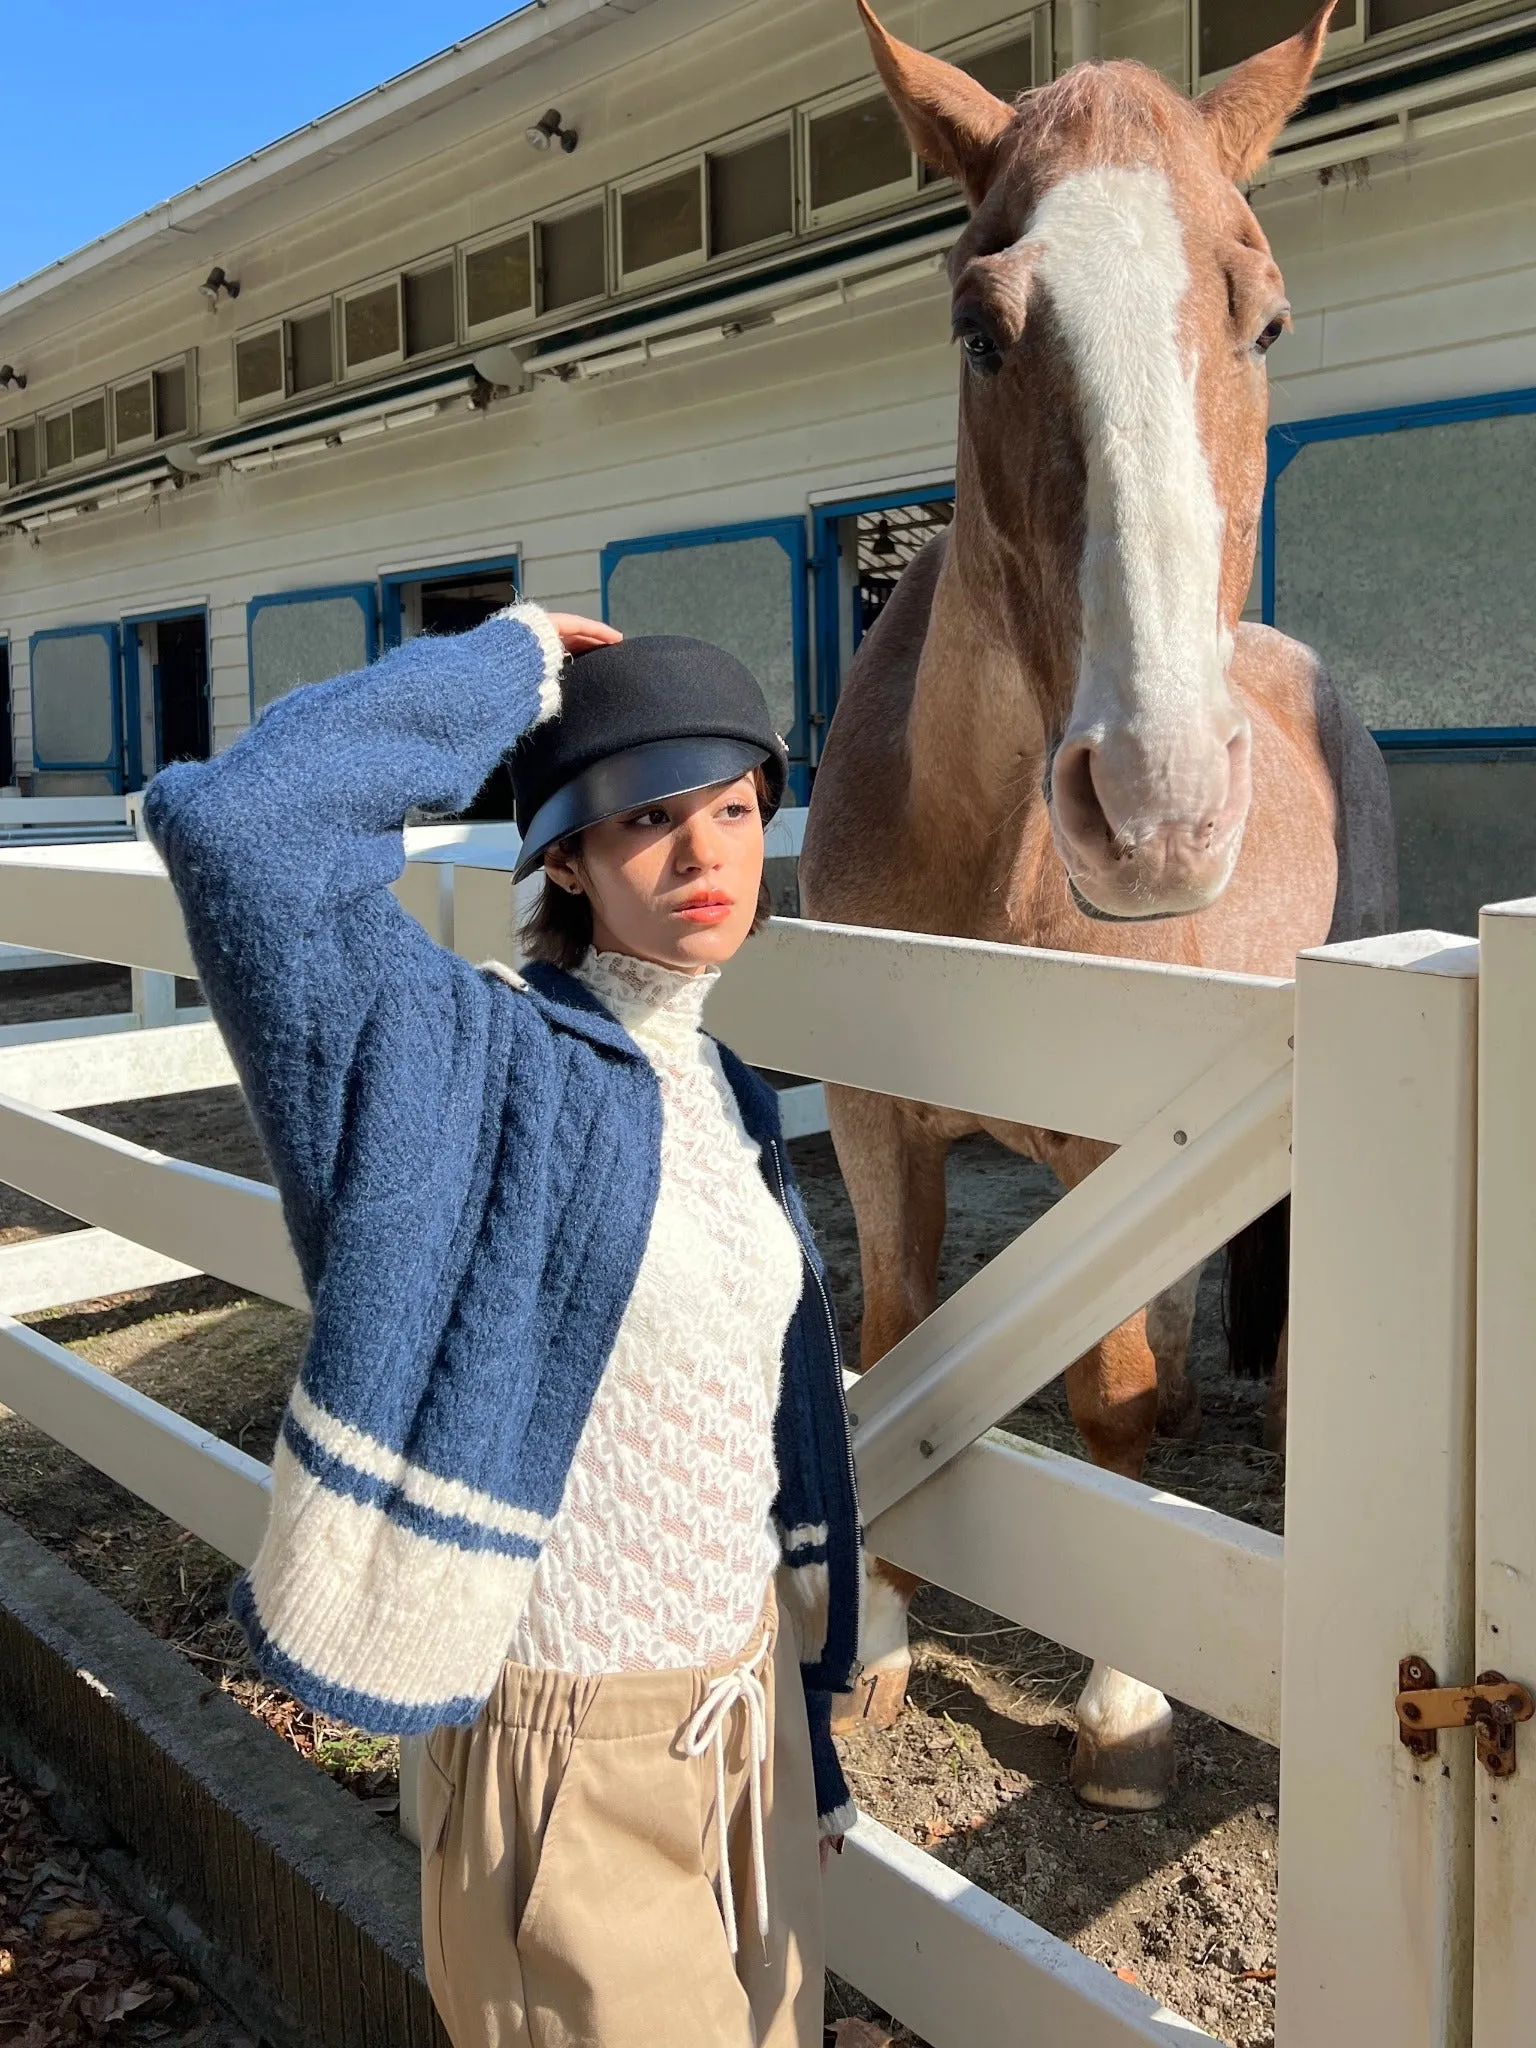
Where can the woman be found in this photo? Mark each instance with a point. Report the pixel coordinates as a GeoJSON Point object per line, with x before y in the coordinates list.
{"type": "Point", "coordinates": [572, 1400]}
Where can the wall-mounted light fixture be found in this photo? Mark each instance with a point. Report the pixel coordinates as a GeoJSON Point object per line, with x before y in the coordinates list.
{"type": "Point", "coordinates": [216, 282]}
{"type": "Point", "coordinates": [12, 380]}
{"type": "Point", "coordinates": [547, 129]}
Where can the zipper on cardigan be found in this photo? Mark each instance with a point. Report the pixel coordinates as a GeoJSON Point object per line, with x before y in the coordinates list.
{"type": "Point", "coordinates": [826, 1309]}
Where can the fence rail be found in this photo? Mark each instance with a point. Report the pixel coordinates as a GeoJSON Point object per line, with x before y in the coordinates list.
{"type": "Point", "coordinates": [1191, 1074]}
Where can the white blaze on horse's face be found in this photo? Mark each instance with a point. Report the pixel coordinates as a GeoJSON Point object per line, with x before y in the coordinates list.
{"type": "Point", "coordinates": [1150, 785]}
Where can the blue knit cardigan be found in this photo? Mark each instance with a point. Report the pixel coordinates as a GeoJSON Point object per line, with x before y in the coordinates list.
{"type": "Point", "coordinates": [468, 1170]}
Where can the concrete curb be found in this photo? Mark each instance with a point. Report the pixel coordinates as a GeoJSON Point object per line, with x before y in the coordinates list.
{"type": "Point", "coordinates": [296, 1904]}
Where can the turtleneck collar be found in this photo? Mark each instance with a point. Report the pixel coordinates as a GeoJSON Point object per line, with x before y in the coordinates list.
{"type": "Point", "coordinates": [656, 1005]}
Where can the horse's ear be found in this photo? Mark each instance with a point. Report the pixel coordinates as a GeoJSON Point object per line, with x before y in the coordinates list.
{"type": "Point", "coordinates": [1245, 113]}
{"type": "Point", "coordinates": [954, 123]}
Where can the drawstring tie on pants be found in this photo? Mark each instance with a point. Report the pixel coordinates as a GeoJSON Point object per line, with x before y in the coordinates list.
{"type": "Point", "coordinates": [706, 1729]}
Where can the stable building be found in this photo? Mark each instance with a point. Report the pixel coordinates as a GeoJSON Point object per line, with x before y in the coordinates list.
{"type": "Point", "coordinates": [639, 306]}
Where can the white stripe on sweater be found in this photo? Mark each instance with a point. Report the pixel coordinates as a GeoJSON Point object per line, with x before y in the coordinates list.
{"type": "Point", "coordinates": [428, 1490]}
{"type": "Point", "coordinates": [361, 1602]}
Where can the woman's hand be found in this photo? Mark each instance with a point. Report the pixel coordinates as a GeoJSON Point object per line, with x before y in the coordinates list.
{"type": "Point", "coordinates": [579, 635]}
{"type": "Point", "coordinates": [831, 1845]}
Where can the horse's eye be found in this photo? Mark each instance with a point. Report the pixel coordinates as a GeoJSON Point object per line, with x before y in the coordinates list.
{"type": "Point", "coordinates": [1271, 334]}
{"type": "Point", "coordinates": [981, 351]}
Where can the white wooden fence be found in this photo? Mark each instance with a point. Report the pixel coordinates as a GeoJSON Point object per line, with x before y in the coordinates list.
{"type": "Point", "coordinates": [1407, 1887]}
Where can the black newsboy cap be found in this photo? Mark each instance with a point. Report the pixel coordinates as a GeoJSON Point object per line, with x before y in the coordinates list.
{"type": "Point", "coordinates": [649, 718]}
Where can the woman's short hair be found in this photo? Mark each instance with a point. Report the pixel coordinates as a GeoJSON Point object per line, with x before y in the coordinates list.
{"type": "Point", "coordinates": [559, 927]}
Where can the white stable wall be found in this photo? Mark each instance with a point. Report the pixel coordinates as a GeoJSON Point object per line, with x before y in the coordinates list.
{"type": "Point", "coordinates": [1417, 283]}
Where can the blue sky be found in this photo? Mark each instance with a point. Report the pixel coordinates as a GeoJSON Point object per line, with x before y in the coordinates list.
{"type": "Point", "coordinates": [111, 107]}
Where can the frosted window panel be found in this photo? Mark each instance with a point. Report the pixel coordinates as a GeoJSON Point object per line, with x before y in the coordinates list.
{"type": "Point", "coordinates": [90, 420]}
{"type": "Point", "coordinates": [737, 593]}
{"type": "Point", "coordinates": [309, 351]}
{"type": "Point", "coordinates": [572, 253]}
{"type": "Point", "coordinates": [663, 222]}
{"type": "Point", "coordinates": [171, 400]}
{"type": "Point", "coordinates": [305, 642]}
{"type": "Point", "coordinates": [134, 412]}
{"type": "Point", "coordinates": [259, 367]}
{"type": "Point", "coordinates": [58, 441]}
{"type": "Point", "coordinates": [429, 310]}
{"type": "Point", "coordinates": [1405, 560]}
{"type": "Point", "coordinates": [372, 324]}
{"type": "Point", "coordinates": [857, 150]}
{"type": "Point", "coordinates": [72, 683]}
{"type": "Point", "coordinates": [498, 281]}
{"type": "Point", "coordinates": [1231, 30]}
{"type": "Point", "coordinates": [751, 195]}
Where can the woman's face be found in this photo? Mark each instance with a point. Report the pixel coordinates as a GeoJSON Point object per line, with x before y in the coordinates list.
{"type": "Point", "coordinates": [676, 881]}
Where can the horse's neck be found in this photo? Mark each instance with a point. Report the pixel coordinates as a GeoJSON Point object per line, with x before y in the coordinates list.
{"type": "Point", "coordinates": [976, 736]}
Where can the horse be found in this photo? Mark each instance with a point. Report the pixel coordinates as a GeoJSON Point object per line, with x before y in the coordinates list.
{"type": "Point", "coordinates": [1059, 732]}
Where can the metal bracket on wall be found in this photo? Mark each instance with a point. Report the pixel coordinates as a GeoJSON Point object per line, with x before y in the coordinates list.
{"type": "Point", "coordinates": [1492, 1706]}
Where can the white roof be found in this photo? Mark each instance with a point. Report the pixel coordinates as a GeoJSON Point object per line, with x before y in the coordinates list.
{"type": "Point", "coordinates": [538, 27]}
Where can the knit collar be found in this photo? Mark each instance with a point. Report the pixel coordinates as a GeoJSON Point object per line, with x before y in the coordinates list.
{"type": "Point", "coordinates": [661, 1007]}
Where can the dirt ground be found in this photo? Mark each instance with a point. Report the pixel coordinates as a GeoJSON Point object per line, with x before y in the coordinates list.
{"type": "Point", "coordinates": [1183, 1902]}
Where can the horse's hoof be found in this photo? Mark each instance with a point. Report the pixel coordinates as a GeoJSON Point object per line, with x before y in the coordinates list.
{"type": "Point", "coordinates": [1125, 1758]}
{"type": "Point", "coordinates": [878, 1698]}
{"type": "Point", "coordinates": [1178, 1413]}
{"type": "Point", "coordinates": [1131, 1777]}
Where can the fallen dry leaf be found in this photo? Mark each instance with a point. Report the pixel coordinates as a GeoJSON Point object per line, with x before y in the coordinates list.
{"type": "Point", "coordinates": [1255, 1976]}
{"type": "Point", "coordinates": [7, 1963]}
{"type": "Point", "coordinates": [70, 1923]}
{"type": "Point", "coordinates": [1128, 1977]}
{"type": "Point", "coordinates": [860, 2034]}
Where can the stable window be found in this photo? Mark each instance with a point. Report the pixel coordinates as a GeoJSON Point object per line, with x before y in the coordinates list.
{"type": "Point", "coordinates": [258, 368]}
{"type": "Point", "coordinates": [150, 408]}
{"type": "Point", "coordinates": [1397, 544]}
{"type": "Point", "coordinates": [573, 261]}
{"type": "Point", "coordinates": [430, 317]}
{"type": "Point", "coordinates": [133, 414]}
{"type": "Point", "coordinates": [856, 157]}
{"type": "Point", "coordinates": [173, 412]}
{"type": "Point", "coordinates": [661, 224]}
{"type": "Point", "coordinates": [306, 636]}
{"type": "Point", "coordinates": [1227, 31]}
{"type": "Point", "coordinates": [76, 733]}
{"type": "Point", "coordinates": [310, 350]}
{"type": "Point", "coordinates": [77, 433]}
{"type": "Point", "coordinates": [498, 283]}
{"type": "Point", "coordinates": [21, 454]}
{"type": "Point", "coordinates": [741, 587]}
{"type": "Point", "coordinates": [751, 193]}
{"type": "Point", "coordinates": [371, 328]}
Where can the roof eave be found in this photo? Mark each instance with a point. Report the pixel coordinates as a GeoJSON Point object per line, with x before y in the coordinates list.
{"type": "Point", "coordinates": [537, 28]}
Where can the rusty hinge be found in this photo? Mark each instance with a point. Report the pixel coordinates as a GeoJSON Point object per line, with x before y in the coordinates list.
{"type": "Point", "coordinates": [1492, 1706]}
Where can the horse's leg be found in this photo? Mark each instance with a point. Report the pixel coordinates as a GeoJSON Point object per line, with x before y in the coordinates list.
{"type": "Point", "coordinates": [1170, 1319]}
{"type": "Point", "coordinates": [1125, 1756]}
{"type": "Point", "coordinates": [893, 1167]}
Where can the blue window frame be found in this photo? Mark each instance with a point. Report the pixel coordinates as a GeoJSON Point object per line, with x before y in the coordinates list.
{"type": "Point", "coordinates": [1287, 441]}
{"type": "Point", "coordinates": [741, 603]}
{"type": "Point", "coordinates": [77, 714]}
{"type": "Point", "coordinates": [133, 709]}
{"type": "Point", "coordinates": [826, 557]}
{"type": "Point", "coordinates": [284, 649]}
{"type": "Point", "coordinates": [393, 583]}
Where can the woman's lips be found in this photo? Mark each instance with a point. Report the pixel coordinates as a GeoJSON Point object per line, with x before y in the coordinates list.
{"type": "Point", "coordinates": [706, 909]}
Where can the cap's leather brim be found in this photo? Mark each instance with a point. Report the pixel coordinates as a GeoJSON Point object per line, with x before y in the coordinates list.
{"type": "Point", "coordinates": [622, 782]}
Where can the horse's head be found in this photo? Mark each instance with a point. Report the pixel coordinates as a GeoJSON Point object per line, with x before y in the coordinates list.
{"type": "Point", "coordinates": [1113, 298]}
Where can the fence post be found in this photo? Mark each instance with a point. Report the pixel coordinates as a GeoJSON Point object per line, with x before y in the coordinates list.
{"type": "Point", "coordinates": [154, 998]}
{"type": "Point", "coordinates": [1376, 1847]}
{"type": "Point", "coordinates": [1504, 1953]}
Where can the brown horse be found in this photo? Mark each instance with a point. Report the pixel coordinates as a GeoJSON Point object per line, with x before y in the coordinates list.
{"type": "Point", "coordinates": [1059, 733]}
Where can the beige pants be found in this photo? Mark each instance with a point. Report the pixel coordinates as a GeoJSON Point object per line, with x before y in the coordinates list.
{"type": "Point", "coordinates": [570, 1863]}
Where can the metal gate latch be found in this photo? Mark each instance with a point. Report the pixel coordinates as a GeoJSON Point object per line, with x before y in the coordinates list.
{"type": "Point", "coordinates": [1492, 1706]}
